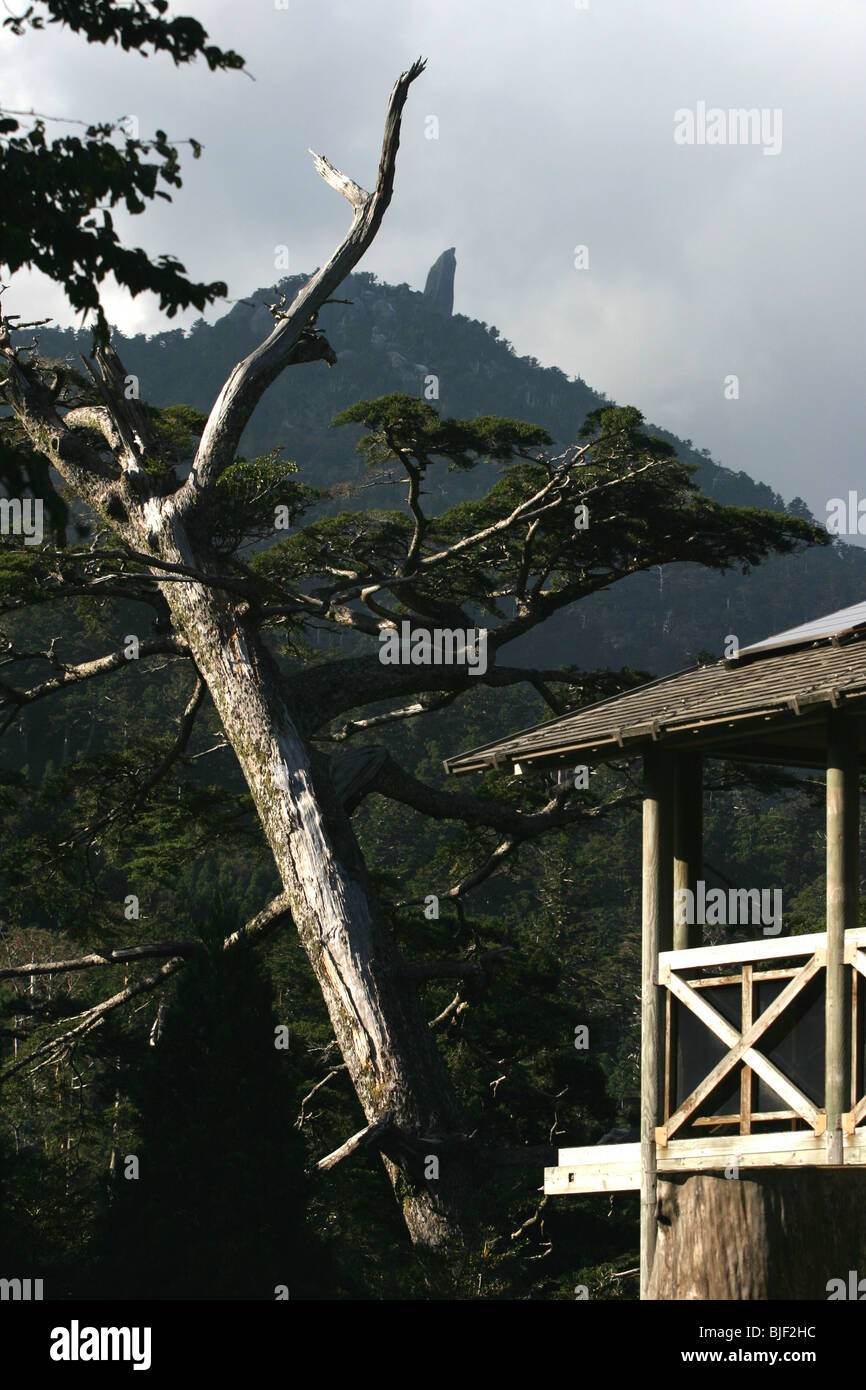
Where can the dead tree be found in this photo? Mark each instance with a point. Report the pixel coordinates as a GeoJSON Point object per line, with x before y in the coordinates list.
{"type": "Point", "coordinates": [379, 1026]}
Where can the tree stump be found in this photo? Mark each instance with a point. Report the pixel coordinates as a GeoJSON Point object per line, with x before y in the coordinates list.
{"type": "Point", "coordinates": [770, 1235]}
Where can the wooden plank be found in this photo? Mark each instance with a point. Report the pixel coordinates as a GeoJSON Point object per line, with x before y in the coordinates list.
{"type": "Point", "coordinates": [616, 1167]}
{"type": "Point", "coordinates": [843, 831]}
{"type": "Point", "coordinates": [855, 1033]}
{"type": "Point", "coordinates": [741, 1048]}
{"type": "Point", "coordinates": [670, 1045]}
{"type": "Point", "coordinates": [773, 948]}
{"type": "Point", "coordinates": [657, 902]}
{"type": "Point", "coordinates": [746, 1145]}
{"type": "Point", "coordinates": [702, 1146]}
{"type": "Point", "coordinates": [758, 1116]}
{"type": "Point", "coordinates": [752, 1147]}
{"type": "Point", "coordinates": [815, 1157]}
{"type": "Point", "coordinates": [601, 1154]}
{"type": "Point", "coordinates": [709, 981]}
{"type": "Point", "coordinates": [565, 1182]}
{"type": "Point", "coordinates": [746, 1075]}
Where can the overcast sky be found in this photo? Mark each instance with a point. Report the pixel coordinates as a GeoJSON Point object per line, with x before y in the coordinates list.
{"type": "Point", "coordinates": [556, 130]}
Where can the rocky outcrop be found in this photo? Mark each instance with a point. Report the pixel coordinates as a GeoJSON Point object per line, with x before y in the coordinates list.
{"type": "Point", "coordinates": [439, 289]}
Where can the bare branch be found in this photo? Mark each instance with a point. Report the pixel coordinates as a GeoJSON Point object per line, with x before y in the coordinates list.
{"type": "Point", "coordinates": [515, 1073]}
{"type": "Point", "coordinates": [179, 747]}
{"type": "Point", "coordinates": [523, 510]}
{"type": "Point", "coordinates": [452, 1010]}
{"type": "Point", "coordinates": [391, 780]}
{"type": "Point", "coordinates": [356, 195]}
{"type": "Point", "coordinates": [250, 378]}
{"type": "Point", "coordinates": [309, 606]}
{"type": "Point", "coordinates": [365, 1136]}
{"type": "Point", "coordinates": [95, 417]}
{"type": "Point", "coordinates": [167, 568]}
{"type": "Point", "coordinates": [534, 1220]}
{"type": "Point", "coordinates": [327, 690]}
{"type": "Point", "coordinates": [266, 921]}
{"type": "Point", "coordinates": [130, 421]}
{"type": "Point", "coordinates": [120, 955]}
{"type": "Point", "coordinates": [471, 880]}
{"type": "Point", "coordinates": [76, 460]}
{"type": "Point", "coordinates": [85, 670]}
{"type": "Point", "coordinates": [95, 1017]}
{"type": "Point", "coordinates": [480, 874]}
{"type": "Point", "coordinates": [436, 701]}
{"type": "Point", "coordinates": [302, 1116]}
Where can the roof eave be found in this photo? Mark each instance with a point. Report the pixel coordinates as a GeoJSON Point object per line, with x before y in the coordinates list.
{"type": "Point", "coordinates": [631, 738]}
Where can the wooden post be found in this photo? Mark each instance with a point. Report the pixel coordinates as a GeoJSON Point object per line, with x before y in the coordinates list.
{"type": "Point", "coordinates": [688, 839]}
{"type": "Point", "coordinates": [843, 879]}
{"type": "Point", "coordinates": [747, 1079]}
{"type": "Point", "coordinates": [657, 935]}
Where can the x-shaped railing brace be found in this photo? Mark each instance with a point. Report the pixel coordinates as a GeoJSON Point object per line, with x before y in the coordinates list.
{"type": "Point", "coordinates": [742, 1047]}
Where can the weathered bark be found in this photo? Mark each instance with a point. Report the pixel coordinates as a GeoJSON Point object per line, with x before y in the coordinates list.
{"type": "Point", "coordinates": [376, 1014]}
{"type": "Point", "coordinates": [770, 1235]}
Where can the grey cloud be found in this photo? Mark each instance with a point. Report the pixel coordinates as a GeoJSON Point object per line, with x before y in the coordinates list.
{"type": "Point", "coordinates": [555, 129]}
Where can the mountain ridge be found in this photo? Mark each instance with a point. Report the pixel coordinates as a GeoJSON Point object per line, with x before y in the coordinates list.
{"type": "Point", "coordinates": [393, 338]}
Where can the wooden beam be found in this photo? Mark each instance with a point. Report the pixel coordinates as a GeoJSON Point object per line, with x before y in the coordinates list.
{"type": "Point", "coordinates": [657, 934]}
{"type": "Point", "coordinates": [843, 828]}
{"type": "Point", "coordinates": [707, 1146]}
{"type": "Point", "coordinates": [764, 1116]}
{"type": "Point", "coordinates": [787, 972]}
{"type": "Point", "coordinates": [597, 1172]}
{"type": "Point", "coordinates": [856, 991]}
{"type": "Point", "coordinates": [772, 948]}
{"type": "Point", "coordinates": [670, 1055]}
{"type": "Point", "coordinates": [854, 1116]}
{"type": "Point", "coordinates": [616, 1167]}
{"type": "Point", "coordinates": [687, 839]}
{"type": "Point", "coordinates": [747, 1075]}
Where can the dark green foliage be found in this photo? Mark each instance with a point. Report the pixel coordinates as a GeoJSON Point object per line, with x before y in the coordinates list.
{"type": "Point", "coordinates": [402, 426]}
{"type": "Point", "coordinates": [56, 196]}
{"type": "Point", "coordinates": [139, 25]}
{"type": "Point", "coordinates": [249, 493]}
{"type": "Point", "coordinates": [218, 1211]}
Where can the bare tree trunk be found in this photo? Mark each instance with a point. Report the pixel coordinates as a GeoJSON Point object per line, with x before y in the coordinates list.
{"type": "Point", "coordinates": [774, 1235]}
{"type": "Point", "coordinates": [376, 1014]}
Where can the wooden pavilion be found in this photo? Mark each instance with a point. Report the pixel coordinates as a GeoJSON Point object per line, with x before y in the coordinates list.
{"type": "Point", "coordinates": [772, 1072]}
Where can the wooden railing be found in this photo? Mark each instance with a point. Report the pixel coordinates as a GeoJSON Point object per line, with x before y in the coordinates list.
{"type": "Point", "coordinates": [744, 1043]}
{"type": "Point", "coordinates": [617, 1167]}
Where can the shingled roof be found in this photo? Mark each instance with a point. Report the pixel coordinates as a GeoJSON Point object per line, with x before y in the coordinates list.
{"type": "Point", "coordinates": [769, 704]}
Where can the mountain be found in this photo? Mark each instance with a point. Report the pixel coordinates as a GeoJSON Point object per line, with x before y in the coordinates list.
{"type": "Point", "coordinates": [392, 338]}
